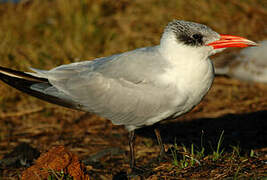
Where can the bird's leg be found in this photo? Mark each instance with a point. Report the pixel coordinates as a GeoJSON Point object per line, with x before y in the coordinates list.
{"type": "Point", "coordinates": [162, 154]}
{"type": "Point", "coordinates": [136, 171]}
{"type": "Point", "coordinates": [132, 153]}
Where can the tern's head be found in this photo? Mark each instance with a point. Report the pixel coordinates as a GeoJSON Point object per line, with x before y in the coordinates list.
{"type": "Point", "coordinates": [199, 38]}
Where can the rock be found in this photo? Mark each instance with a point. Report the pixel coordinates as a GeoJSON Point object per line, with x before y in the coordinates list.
{"type": "Point", "coordinates": [58, 161]}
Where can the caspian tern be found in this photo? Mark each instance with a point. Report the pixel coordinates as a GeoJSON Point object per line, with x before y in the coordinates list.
{"type": "Point", "coordinates": [136, 88]}
{"type": "Point", "coordinates": [250, 64]}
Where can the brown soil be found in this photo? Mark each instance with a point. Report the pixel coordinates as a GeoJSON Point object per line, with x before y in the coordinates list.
{"type": "Point", "coordinates": [238, 108]}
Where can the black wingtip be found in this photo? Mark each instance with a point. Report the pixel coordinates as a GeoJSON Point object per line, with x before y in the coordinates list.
{"type": "Point", "coordinates": [23, 82]}
{"type": "Point", "coordinates": [15, 73]}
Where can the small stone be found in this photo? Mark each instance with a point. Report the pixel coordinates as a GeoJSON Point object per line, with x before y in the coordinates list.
{"type": "Point", "coordinates": [57, 159]}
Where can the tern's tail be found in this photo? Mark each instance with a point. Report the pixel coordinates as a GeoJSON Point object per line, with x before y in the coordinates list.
{"type": "Point", "coordinates": [35, 86]}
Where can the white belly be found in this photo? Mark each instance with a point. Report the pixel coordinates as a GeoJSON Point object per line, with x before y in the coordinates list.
{"type": "Point", "coordinates": [187, 90]}
{"type": "Point", "coordinates": [191, 87]}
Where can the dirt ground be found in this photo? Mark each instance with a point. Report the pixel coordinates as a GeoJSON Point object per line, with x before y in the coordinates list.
{"type": "Point", "coordinates": [237, 108]}
{"type": "Point", "coordinates": [242, 117]}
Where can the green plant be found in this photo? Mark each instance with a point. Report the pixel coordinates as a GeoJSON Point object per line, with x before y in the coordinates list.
{"type": "Point", "coordinates": [236, 150]}
{"type": "Point", "coordinates": [200, 153]}
{"type": "Point", "coordinates": [236, 173]}
{"type": "Point", "coordinates": [58, 175]}
{"type": "Point", "coordinates": [188, 157]}
{"type": "Point", "coordinates": [252, 154]}
{"type": "Point", "coordinates": [218, 153]}
{"type": "Point", "coordinates": [183, 162]}
{"type": "Point", "coordinates": [174, 154]}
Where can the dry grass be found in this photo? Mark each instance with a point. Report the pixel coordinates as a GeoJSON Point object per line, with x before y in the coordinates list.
{"type": "Point", "coordinates": [45, 34]}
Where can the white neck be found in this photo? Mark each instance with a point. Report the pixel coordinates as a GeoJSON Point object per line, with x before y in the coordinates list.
{"type": "Point", "coordinates": [189, 66]}
{"type": "Point", "coordinates": [177, 53]}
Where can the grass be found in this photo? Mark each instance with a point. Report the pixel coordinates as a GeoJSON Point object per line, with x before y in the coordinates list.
{"type": "Point", "coordinates": [218, 153]}
{"type": "Point", "coordinates": [45, 34]}
{"type": "Point", "coordinates": [191, 156]}
{"type": "Point", "coordinates": [58, 175]}
{"type": "Point", "coordinates": [236, 174]}
{"type": "Point", "coordinates": [251, 153]}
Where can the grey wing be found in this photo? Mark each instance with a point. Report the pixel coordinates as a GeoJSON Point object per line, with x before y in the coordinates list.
{"type": "Point", "coordinates": [121, 101]}
{"type": "Point", "coordinates": [121, 88]}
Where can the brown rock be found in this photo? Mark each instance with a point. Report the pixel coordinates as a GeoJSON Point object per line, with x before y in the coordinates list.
{"type": "Point", "coordinates": [56, 160]}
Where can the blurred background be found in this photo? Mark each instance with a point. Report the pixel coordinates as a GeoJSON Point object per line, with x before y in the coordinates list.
{"type": "Point", "coordinates": [45, 34]}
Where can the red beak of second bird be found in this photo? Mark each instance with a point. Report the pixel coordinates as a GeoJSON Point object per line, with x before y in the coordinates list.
{"type": "Point", "coordinates": [231, 41]}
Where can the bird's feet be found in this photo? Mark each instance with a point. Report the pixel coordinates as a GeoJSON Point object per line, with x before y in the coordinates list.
{"type": "Point", "coordinates": [139, 172]}
{"type": "Point", "coordinates": [163, 157]}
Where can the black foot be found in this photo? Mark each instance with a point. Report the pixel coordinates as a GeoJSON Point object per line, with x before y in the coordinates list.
{"type": "Point", "coordinates": [139, 172]}
{"type": "Point", "coordinates": [163, 157]}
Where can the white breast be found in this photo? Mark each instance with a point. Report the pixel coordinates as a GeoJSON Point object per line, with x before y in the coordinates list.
{"type": "Point", "coordinates": [187, 78]}
{"type": "Point", "coordinates": [191, 82]}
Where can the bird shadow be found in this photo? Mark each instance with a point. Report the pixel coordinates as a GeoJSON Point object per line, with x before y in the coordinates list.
{"type": "Point", "coordinates": [248, 131]}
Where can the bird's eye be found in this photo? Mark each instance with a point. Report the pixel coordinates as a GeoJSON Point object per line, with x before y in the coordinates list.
{"type": "Point", "coordinates": [194, 40]}
{"type": "Point", "coordinates": [198, 38]}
